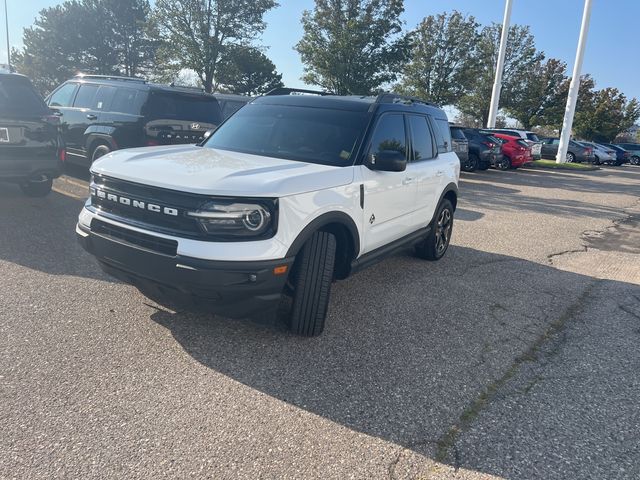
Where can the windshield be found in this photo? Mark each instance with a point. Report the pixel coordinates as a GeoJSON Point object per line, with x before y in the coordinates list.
{"type": "Point", "coordinates": [192, 108]}
{"type": "Point", "coordinates": [18, 97]}
{"type": "Point", "coordinates": [306, 134]}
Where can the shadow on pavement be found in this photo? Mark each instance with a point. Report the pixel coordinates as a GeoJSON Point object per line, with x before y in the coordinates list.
{"type": "Point", "coordinates": [409, 345]}
{"type": "Point", "coordinates": [39, 233]}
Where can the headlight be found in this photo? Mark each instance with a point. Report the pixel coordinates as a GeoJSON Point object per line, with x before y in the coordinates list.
{"type": "Point", "coordinates": [237, 219]}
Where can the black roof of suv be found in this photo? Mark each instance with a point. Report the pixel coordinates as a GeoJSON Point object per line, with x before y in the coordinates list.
{"type": "Point", "coordinates": [104, 113]}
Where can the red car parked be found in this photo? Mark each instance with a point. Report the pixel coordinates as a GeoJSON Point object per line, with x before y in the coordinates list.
{"type": "Point", "coordinates": [515, 151]}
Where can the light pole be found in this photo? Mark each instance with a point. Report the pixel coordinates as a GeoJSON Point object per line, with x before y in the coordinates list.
{"type": "Point", "coordinates": [497, 84]}
{"type": "Point", "coordinates": [6, 19]}
{"type": "Point", "coordinates": [574, 87]}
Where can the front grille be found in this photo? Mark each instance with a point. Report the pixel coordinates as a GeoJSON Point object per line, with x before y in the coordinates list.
{"type": "Point", "coordinates": [148, 242]}
{"type": "Point", "coordinates": [139, 199]}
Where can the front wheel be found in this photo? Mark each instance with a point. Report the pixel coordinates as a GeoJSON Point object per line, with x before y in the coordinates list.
{"type": "Point", "coordinates": [504, 163]}
{"type": "Point", "coordinates": [312, 275]}
{"type": "Point", "coordinates": [437, 242]}
{"type": "Point", "coordinates": [570, 157]}
{"type": "Point", "coordinates": [99, 151]}
{"type": "Point", "coordinates": [37, 188]}
{"type": "Point", "coordinates": [635, 160]}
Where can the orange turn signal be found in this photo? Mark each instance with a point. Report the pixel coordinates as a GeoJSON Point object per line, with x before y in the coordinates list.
{"type": "Point", "coordinates": [281, 270]}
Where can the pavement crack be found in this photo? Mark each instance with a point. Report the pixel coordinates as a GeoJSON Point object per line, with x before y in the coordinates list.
{"type": "Point", "coordinates": [447, 443]}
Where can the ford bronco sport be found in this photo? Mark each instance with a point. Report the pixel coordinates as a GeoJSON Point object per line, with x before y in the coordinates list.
{"type": "Point", "coordinates": [290, 193]}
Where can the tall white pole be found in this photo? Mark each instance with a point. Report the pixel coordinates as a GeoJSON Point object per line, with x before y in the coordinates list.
{"type": "Point", "coordinates": [6, 18]}
{"type": "Point", "coordinates": [574, 87]}
{"type": "Point", "coordinates": [497, 84]}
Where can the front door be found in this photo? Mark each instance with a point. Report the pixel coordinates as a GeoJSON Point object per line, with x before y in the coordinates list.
{"type": "Point", "coordinates": [389, 197]}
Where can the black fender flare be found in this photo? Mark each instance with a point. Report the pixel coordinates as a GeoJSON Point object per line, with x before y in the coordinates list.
{"type": "Point", "coordinates": [99, 134]}
{"type": "Point", "coordinates": [452, 187]}
{"type": "Point", "coordinates": [323, 220]}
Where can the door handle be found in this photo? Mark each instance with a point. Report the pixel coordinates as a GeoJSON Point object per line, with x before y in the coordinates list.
{"type": "Point", "coordinates": [408, 181]}
{"type": "Point", "coordinates": [91, 116]}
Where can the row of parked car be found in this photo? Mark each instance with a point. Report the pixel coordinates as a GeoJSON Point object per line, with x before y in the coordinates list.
{"type": "Point", "coordinates": [479, 149]}
{"type": "Point", "coordinates": [92, 115]}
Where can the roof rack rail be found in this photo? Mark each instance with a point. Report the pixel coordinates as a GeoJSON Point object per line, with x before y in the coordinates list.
{"type": "Point", "coordinates": [187, 87]}
{"type": "Point", "coordinates": [298, 91]}
{"type": "Point", "coordinates": [111, 77]}
{"type": "Point", "coordinates": [388, 97]}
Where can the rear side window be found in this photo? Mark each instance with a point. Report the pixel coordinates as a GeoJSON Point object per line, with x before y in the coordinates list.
{"type": "Point", "coordinates": [102, 100]}
{"type": "Point", "coordinates": [63, 97]}
{"type": "Point", "coordinates": [421, 137]}
{"type": "Point", "coordinates": [86, 95]}
{"type": "Point", "coordinates": [18, 97]}
{"type": "Point", "coordinates": [194, 108]}
{"type": "Point", "coordinates": [443, 135]}
{"type": "Point", "coordinates": [127, 100]}
{"type": "Point", "coordinates": [389, 135]}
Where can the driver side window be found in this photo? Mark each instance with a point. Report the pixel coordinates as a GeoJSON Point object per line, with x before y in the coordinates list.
{"type": "Point", "coordinates": [390, 135]}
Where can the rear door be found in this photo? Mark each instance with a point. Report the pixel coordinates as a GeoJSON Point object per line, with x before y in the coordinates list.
{"type": "Point", "coordinates": [426, 164]}
{"type": "Point", "coordinates": [79, 118]}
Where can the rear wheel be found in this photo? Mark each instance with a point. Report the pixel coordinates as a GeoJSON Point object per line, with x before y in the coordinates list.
{"type": "Point", "coordinates": [437, 242]}
{"type": "Point", "coordinates": [471, 164]}
{"type": "Point", "coordinates": [635, 160]}
{"type": "Point", "coordinates": [99, 151]}
{"type": "Point", "coordinates": [312, 275]}
{"type": "Point", "coordinates": [37, 188]}
{"type": "Point", "coordinates": [596, 160]}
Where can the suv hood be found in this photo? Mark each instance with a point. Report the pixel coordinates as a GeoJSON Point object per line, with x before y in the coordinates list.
{"type": "Point", "coordinates": [219, 172]}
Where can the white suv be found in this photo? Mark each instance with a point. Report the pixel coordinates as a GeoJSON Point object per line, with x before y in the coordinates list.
{"type": "Point", "coordinates": [290, 193]}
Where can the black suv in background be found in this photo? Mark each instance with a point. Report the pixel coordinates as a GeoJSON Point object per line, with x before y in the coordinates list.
{"type": "Point", "coordinates": [231, 103]}
{"type": "Point", "coordinates": [102, 113]}
{"type": "Point", "coordinates": [460, 145]}
{"type": "Point", "coordinates": [31, 151]}
{"type": "Point", "coordinates": [484, 149]}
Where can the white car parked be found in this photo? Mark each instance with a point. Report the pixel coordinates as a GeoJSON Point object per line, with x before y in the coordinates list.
{"type": "Point", "coordinates": [601, 154]}
{"type": "Point", "coordinates": [288, 194]}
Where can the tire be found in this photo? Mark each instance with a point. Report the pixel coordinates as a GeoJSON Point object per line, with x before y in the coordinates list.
{"type": "Point", "coordinates": [571, 158]}
{"type": "Point", "coordinates": [472, 163]}
{"type": "Point", "coordinates": [37, 188]}
{"type": "Point", "coordinates": [635, 160]}
{"type": "Point", "coordinates": [312, 276]}
{"type": "Point", "coordinates": [437, 242]}
{"type": "Point", "coordinates": [596, 160]}
{"type": "Point", "coordinates": [100, 151]}
{"type": "Point", "coordinates": [504, 164]}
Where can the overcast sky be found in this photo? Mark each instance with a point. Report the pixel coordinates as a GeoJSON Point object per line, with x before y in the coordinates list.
{"type": "Point", "coordinates": [611, 57]}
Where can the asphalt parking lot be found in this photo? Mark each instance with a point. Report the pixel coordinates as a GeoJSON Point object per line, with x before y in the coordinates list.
{"type": "Point", "coordinates": [514, 357]}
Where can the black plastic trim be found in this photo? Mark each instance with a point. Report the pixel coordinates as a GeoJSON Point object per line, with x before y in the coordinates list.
{"type": "Point", "coordinates": [389, 249]}
{"type": "Point", "coordinates": [322, 221]}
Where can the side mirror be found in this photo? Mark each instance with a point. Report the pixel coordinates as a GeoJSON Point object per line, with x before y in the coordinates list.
{"type": "Point", "coordinates": [387, 161]}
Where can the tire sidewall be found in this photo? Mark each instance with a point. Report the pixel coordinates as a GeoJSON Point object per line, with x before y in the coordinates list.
{"type": "Point", "coordinates": [100, 151]}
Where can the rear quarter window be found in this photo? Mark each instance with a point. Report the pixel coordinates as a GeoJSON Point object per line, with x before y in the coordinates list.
{"type": "Point", "coordinates": [443, 135]}
{"type": "Point", "coordinates": [194, 108]}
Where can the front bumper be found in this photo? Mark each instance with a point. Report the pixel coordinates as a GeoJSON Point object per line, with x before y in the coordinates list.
{"type": "Point", "coordinates": [232, 289]}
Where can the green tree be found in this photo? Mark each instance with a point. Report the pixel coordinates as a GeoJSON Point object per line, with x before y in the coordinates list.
{"type": "Point", "coordinates": [442, 62]}
{"type": "Point", "coordinates": [92, 36]}
{"type": "Point", "coordinates": [352, 46]}
{"type": "Point", "coordinates": [197, 34]}
{"type": "Point", "coordinates": [248, 71]}
{"type": "Point", "coordinates": [605, 116]}
{"type": "Point", "coordinates": [521, 53]}
{"type": "Point", "coordinates": [537, 98]}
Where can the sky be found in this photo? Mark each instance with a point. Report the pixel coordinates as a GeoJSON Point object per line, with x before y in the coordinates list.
{"type": "Point", "coordinates": [611, 56]}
